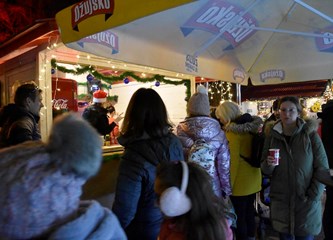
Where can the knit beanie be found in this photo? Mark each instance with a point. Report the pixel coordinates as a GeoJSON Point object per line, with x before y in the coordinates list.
{"type": "Point", "coordinates": [198, 105]}
{"type": "Point", "coordinates": [227, 112]}
{"type": "Point", "coordinates": [41, 182]}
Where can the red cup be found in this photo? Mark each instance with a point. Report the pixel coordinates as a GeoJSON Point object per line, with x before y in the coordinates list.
{"type": "Point", "coordinates": [275, 153]}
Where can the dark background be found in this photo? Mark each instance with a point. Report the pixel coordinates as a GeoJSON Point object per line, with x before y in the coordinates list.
{"type": "Point", "coordinates": [18, 15]}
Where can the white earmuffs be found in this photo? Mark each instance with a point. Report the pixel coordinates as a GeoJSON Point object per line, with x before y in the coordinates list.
{"type": "Point", "coordinates": [174, 201]}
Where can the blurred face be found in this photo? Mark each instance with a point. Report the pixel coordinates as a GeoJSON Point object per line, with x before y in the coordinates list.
{"type": "Point", "coordinates": [35, 106]}
{"type": "Point", "coordinates": [288, 113]}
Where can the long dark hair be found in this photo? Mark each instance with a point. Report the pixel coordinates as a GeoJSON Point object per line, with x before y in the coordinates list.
{"type": "Point", "coordinates": [146, 112]}
{"type": "Point", "coordinates": [205, 219]}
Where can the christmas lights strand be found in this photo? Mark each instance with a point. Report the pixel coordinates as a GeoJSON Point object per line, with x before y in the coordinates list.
{"type": "Point", "coordinates": [111, 79]}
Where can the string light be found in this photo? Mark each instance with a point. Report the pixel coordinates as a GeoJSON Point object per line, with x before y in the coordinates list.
{"type": "Point", "coordinates": [219, 91]}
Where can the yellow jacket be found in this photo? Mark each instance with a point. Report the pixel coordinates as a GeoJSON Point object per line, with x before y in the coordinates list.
{"type": "Point", "coordinates": [245, 179]}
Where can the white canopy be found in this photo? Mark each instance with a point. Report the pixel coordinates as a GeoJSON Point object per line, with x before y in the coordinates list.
{"type": "Point", "coordinates": [270, 41]}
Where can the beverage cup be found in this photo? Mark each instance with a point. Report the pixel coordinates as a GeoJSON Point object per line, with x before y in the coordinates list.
{"type": "Point", "coordinates": [275, 153]}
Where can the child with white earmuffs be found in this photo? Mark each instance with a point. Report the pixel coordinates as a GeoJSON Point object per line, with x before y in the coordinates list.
{"type": "Point", "coordinates": [191, 209]}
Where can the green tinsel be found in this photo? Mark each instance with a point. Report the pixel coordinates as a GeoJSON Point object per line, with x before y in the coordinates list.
{"type": "Point", "coordinates": [112, 79]}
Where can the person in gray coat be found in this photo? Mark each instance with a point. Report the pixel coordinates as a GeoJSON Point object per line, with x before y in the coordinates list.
{"type": "Point", "coordinates": [296, 210]}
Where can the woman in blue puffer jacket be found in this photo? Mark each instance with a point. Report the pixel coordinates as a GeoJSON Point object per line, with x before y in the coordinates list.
{"type": "Point", "coordinates": [148, 141]}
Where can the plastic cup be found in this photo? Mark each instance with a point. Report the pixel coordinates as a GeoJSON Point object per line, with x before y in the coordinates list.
{"type": "Point", "coordinates": [275, 153]}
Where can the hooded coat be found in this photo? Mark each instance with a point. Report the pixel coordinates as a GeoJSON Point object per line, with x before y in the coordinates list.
{"type": "Point", "coordinates": [135, 198]}
{"type": "Point", "coordinates": [295, 193]}
{"type": "Point", "coordinates": [208, 129]}
{"type": "Point", "coordinates": [245, 179]}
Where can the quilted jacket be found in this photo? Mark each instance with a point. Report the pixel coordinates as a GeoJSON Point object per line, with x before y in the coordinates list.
{"type": "Point", "coordinates": [208, 129]}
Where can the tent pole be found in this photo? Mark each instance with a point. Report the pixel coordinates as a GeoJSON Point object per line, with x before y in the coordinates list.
{"type": "Point", "coordinates": [328, 18]}
{"type": "Point", "coordinates": [287, 31]}
{"type": "Point", "coordinates": [238, 94]}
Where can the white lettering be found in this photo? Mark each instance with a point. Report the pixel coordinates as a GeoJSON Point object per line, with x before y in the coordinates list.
{"type": "Point", "coordinates": [77, 13]}
{"type": "Point", "coordinates": [220, 17]}
{"type": "Point", "coordinates": [94, 4]}
{"type": "Point", "coordinates": [107, 4]}
{"type": "Point", "coordinates": [60, 103]}
{"type": "Point", "coordinates": [104, 37]}
{"type": "Point", "coordinates": [207, 15]}
{"type": "Point", "coordinates": [100, 4]}
{"type": "Point", "coordinates": [328, 40]}
{"type": "Point", "coordinates": [89, 6]}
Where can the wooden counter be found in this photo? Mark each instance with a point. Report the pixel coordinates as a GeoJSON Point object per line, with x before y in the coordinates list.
{"type": "Point", "coordinates": [104, 182]}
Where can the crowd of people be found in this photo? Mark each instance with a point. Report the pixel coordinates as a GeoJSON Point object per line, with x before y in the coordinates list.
{"type": "Point", "coordinates": [189, 181]}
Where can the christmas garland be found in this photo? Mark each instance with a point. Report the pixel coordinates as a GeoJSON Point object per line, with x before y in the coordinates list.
{"type": "Point", "coordinates": [111, 79]}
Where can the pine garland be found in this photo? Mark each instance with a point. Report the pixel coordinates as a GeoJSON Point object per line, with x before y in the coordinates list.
{"type": "Point", "coordinates": [112, 79]}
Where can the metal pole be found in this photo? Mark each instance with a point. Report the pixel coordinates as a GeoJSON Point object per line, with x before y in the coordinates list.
{"type": "Point", "coordinates": [312, 9]}
{"type": "Point", "coordinates": [238, 94]}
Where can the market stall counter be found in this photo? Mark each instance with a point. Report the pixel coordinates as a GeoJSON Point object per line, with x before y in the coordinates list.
{"type": "Point", "coordinates": [104, 183]}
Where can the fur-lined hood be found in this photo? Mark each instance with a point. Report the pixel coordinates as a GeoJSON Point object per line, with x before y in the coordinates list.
{"type": "Point", "coordinates": [248, 127]}
{"type": "Point", "coordinates": [309, 125]}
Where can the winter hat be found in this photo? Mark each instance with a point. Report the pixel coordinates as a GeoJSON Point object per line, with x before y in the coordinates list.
{"type": "Point", "coordinates": [198, 105]}
{"type": "Point", "coordinates": [99, 96]}
{"type": "Point", "coordinates": [41, 182]}
{"type": "Point", "coordinates": [227, 112]}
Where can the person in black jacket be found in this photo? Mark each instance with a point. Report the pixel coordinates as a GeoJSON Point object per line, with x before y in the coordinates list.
{"type": "Point", "coordinates": [327, 137]}
{"type": "Point", "coordinates": [275, 113]}
{"type": "Point", "coordinates": [19, 120]}
{"type": "Point", "coordinates": [148, 140]}
{"type": "Point", "coordinates": [96, 114]}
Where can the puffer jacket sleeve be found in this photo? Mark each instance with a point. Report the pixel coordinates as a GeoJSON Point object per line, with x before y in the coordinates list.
{"type": "Point", "coordinates": [223, 165]}
{"type": "Point", "coordinates": [185, 140]}
{"type": "Point", "coordinates": [128, 191]}
{"type": "Point", "coordinates": [175, 149]}
{"type": "Point", "coordinates": [320, 163]}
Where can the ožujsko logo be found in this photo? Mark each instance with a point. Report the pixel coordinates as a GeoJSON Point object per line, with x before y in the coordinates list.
{"type": "Point", "coordinates": [215, 15]}
{"type": "Point", "coordinates": [239, 74]}
{"type": "Point", "coordinates": [89, 8]}
{"type": "Point", "coordinates": [325, 44]}
{"type": "Point", "coordinates": [272, 73]}
{"type": "Point", "coordinates": [106, 38]}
